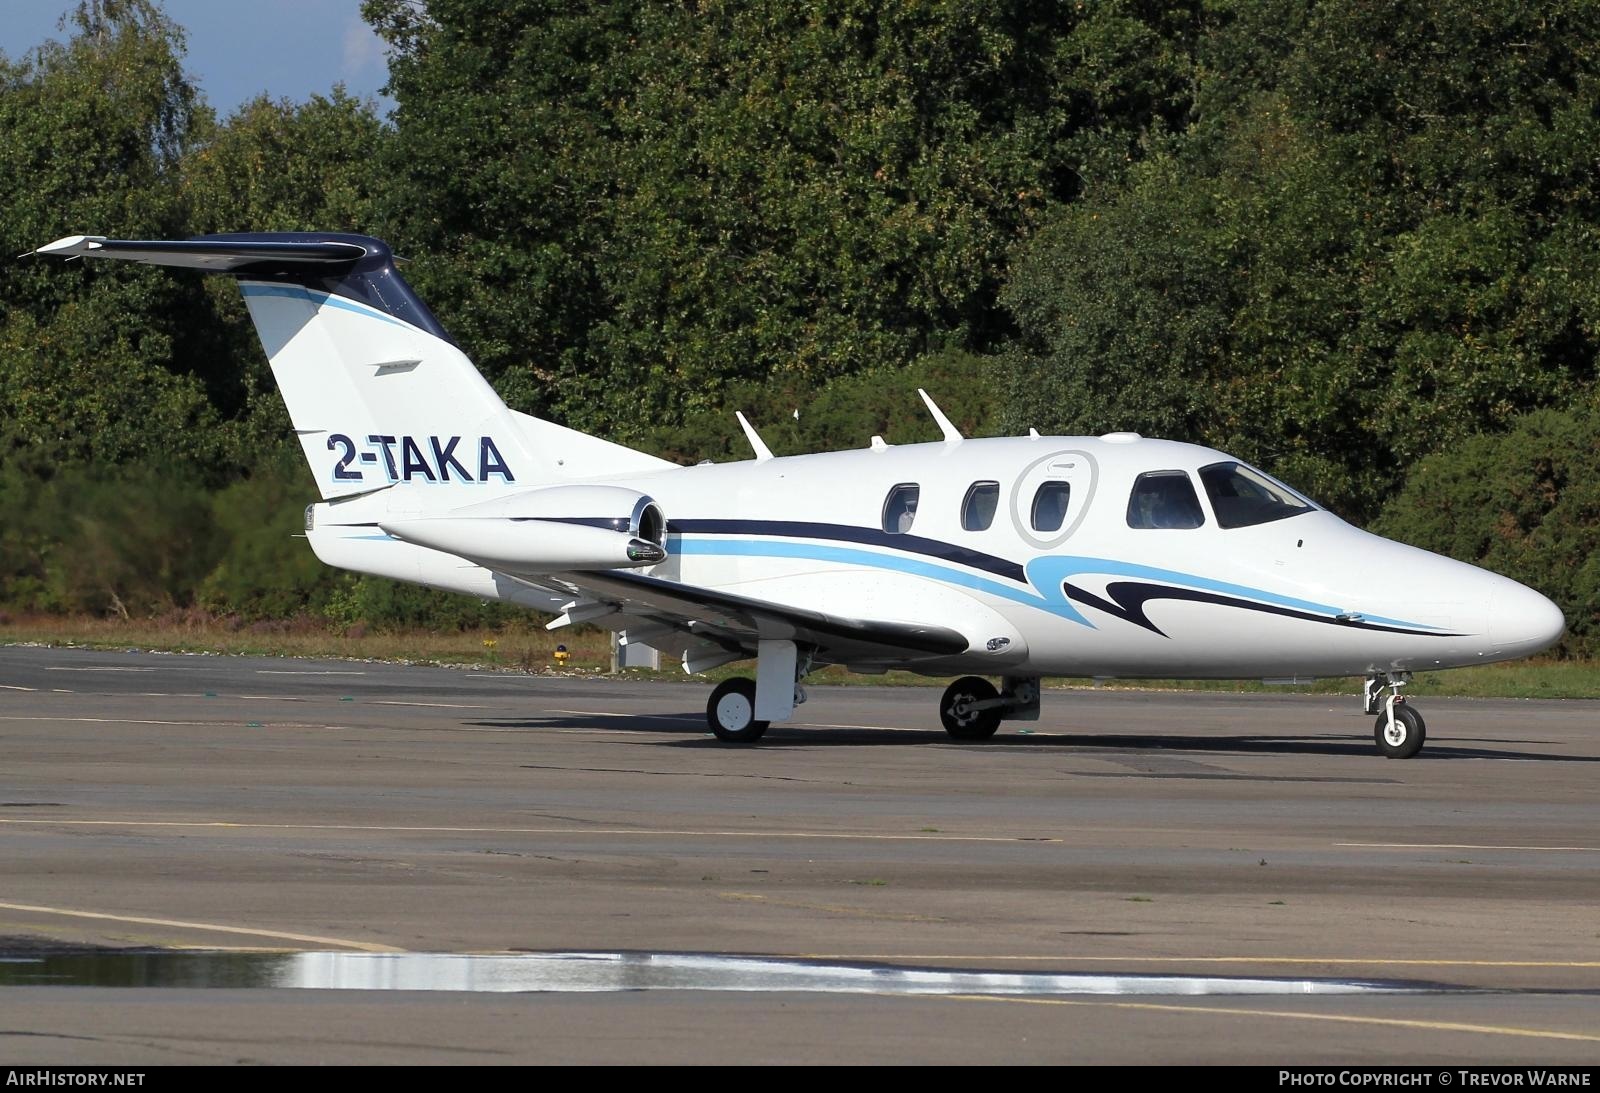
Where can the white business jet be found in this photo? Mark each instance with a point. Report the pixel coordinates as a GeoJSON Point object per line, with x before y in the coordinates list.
{"type": "Point", "coordinates": [1009, 558]}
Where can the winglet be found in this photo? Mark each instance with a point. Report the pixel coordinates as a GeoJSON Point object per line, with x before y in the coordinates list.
{"type": "Point", "coordinates": [952, 435]}
{"type": "Point", "coordinates": [763, 453]}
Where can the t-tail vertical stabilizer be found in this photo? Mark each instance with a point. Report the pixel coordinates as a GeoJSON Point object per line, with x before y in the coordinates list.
{"type": "Point", "coordinates": [378, 392]}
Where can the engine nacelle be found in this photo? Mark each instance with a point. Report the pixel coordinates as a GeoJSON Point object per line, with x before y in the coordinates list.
{"type": "Point", "coordinates": [549, 530]}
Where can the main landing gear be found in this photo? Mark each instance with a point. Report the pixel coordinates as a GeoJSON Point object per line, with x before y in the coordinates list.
{"type": "Point", "coordinates": [1399, 731]}
{"type": "Point", "coordinates": [740, 709]}
{"type": "Point", "coordinates": [732, 712]}
{"type": "Point", "coordinates": [972, 708]}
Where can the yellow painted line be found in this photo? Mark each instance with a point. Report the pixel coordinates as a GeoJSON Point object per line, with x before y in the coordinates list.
{"type": "Point", "coordinates": [864, 728]}
{"type": "Point", "coordinates": [1340, 961]}
{"type": "Point", "coordinates": [829, 908]}
{"type": "Point", "coordinates": [630, 716]}
{"type": "Point", "coordinates": [1292, 1015]}
{"type": "Point", "coordinates": [906, 728]}
{"type": "Point", "coordinates": [419, 829]}
{"type": "Point", "coordinates": [208, 927]}
{"type": "Point", "coordinates": [1465, 846]}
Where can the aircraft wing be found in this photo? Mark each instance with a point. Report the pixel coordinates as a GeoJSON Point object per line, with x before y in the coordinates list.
{"type": "Point", "coordinates": [736, 623]}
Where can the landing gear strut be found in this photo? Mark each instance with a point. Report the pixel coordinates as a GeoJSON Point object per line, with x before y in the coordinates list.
{"type": "Point", "coordinates": [1399, 731]}
{"type": "Point", "coordinates": [741, 709]}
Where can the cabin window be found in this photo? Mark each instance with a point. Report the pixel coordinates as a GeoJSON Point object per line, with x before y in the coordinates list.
{"type": "Point", "coordinates": [1242, 497]}
{"type": "Point", "coordinates": [977, 511]}
{"type": "Point", "coordinates": [1050, 505]}
{"type": "Point", "coordinates": [900, 508]}
{"type": "Point", "coordinates": [1164, 499]}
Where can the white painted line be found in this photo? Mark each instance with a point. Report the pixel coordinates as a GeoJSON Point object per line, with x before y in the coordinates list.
{"type": "Point", "coordinates": [55, 669]}
{"type": "Point", "coordinates": [1467, 846]}
{"type": "Point", "coordinates": [13, 687]}
{"type": "Point", "coordinates": [209, 927]}
{"type": "Point", "coordinates": [431, 705]}
{"type": "Point", "coordinates": [107, 720]}
{"type": "Point", "coordinates": [277, 672]}
{"type": "Point", "coordinates": [624, 831]}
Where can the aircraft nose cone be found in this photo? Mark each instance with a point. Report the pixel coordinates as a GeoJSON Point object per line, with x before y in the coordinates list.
{"type": "Point", "coordinates": [1522, 619]}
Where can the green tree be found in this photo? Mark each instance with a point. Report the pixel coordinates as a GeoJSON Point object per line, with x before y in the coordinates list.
{"type": "Point", "coordinates": [792, 419]}
{"type": "Point", "coordinates": [273, 165]}
{"type": "Point", "coordinates": [625, 208]}
{"type": "Point", "coordinates": [93, 361]}
{"type": "Point", "coordinates": [1377, 236]}
{"type": "Point", "coordinates": [1525, 503]}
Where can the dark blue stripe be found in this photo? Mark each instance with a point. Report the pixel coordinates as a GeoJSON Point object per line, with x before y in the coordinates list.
{"type": "Point", "coordinates": [370, 279]}
{"type": "Point", "coordinates": [607, 523]}
{"type": "Point", "coordinates": [848, 533]}
{"type": "Point", "coordinates": [1128, 600]}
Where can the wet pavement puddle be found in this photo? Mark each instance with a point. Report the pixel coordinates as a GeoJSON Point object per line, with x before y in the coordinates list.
{"type": "Point", "coordinates": [582, 972]}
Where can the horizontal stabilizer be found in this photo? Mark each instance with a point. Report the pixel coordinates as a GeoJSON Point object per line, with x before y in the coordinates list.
{"type": "Point", "coordinates": [220, 254]}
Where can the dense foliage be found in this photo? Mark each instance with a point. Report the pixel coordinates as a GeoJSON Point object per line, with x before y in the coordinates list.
{"type": "Point", "coordinates": [1355, 242]}
{"type": "Point", "coordinates": [1525, 502]}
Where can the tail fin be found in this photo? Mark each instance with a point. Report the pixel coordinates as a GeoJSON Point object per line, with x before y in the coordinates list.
{"type": "Point", "coordinates": [378, 392]}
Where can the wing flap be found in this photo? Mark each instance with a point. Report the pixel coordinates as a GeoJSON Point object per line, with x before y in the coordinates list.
{"type": "Point", "coordinates": [727, 619]}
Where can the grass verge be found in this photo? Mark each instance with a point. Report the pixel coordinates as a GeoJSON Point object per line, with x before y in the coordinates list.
{"type": "Point", "coordinates": [531, 648]}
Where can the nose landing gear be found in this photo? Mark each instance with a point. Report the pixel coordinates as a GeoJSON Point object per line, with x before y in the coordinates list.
{"type": "Point", "coordinates": [1399, 731]}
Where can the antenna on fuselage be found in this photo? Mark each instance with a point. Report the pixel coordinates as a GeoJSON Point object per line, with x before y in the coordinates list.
{"type": "Point", "coordinates": [952, 435]}
{"type": "Point", "coordinates": [763, 453]}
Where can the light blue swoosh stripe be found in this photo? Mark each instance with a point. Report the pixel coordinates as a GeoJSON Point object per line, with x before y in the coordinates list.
{"type": "Point", "coordinates": [1046, 574]}
{"type": "Point", "coordinates": [899, 563]}
{"type": "Point", "coordinates": [1049, 572]}
{"type": "Point", "coordinates": [321, 299]}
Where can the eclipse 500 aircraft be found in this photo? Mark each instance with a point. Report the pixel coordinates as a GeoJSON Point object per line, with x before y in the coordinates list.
{"type": "Point", "coordinates": [1016, 558]}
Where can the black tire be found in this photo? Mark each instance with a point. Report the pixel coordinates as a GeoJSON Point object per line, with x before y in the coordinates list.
{"type": "Point", "coordinates": [731, 712]}
{"type": "Point", "coordinates": [962, 722]}
{"type": "Point", "coordinates": [1409, 733]}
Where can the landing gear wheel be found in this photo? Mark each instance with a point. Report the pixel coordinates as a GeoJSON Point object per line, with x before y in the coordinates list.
{"type": "Point", "coordinates": [1405, 739]}
{"type": "Point", "coordinates": [963, 722]}
{"type": "Point", "coordinates": [732, 712]}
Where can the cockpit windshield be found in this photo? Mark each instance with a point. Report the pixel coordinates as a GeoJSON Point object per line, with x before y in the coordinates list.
{"type": "Point", "coordinates": [1242, 497]}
